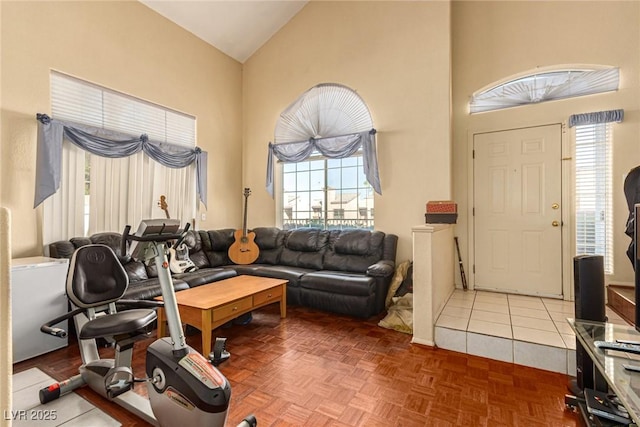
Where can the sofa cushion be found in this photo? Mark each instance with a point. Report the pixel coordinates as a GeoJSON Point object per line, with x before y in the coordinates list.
{"type": "Point", "coordinates": [353, 250]}
{"type": "Point", "coordinates": [215, 244]}
{"type": "Point", "coordinates": [150, 288]}
{"type": "Point", "coordinates": [246, 269]}
{"type": "Point", "coordinates": [305, 247]}
{"type": "Point", "coordinates": [268, 237]}
{"type": "Point", "coordinates": [304, 240]}
{"type": "Point", "coordinates": [350, 305]}
{"type": "Point", "coordinates": [61, 249]}
{"type": "Point", "coordinates": [205, 275]}
{"type": "Point", "coordinates": [80, 241]}
{"type": "Point", "coordinates": [292, 274]}
{"type": "Point", "coordinates": [339, 283]}
{"type": "Point", "coordinates": [220, 240]}
{"type": "Point", "coordinates": [113, 240]}
{"type": "Point", "coordinates": [359, 242]}
{"type": "Point", "coordinates": [196, 253]}
{"type": "Point", "coordinates": [136, 271]}
{"type": "Point", "coordinates": [270, 241]}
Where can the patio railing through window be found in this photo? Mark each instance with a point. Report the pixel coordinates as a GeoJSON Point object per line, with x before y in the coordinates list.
{"type": "Point", "coordinates": [329, 224]}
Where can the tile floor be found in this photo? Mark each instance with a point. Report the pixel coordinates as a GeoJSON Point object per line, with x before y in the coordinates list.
{"type": "Point", "coordinates": [526, 330]}
{"type": "Point", "coordinates": [70, 410]}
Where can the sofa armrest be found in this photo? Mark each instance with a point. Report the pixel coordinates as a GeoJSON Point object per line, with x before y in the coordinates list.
{"type": "Point", "coordinates": [382, 268]}
{"type": "Point", "coordinates": [61, 249]}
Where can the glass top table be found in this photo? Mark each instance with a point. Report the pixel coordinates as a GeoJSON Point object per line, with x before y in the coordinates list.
{"type": "Point", "coordinates": [625, 384]}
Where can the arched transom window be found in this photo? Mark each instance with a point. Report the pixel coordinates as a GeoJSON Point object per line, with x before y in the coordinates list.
{"type": "Point", "coordinates": [539, 86]}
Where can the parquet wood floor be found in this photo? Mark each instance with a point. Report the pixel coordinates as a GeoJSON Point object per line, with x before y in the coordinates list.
{"type": "Point", "coordinates": [321, 369]}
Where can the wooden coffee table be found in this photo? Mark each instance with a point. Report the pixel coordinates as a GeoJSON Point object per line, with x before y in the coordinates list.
{"type": "Point", "coordinates": [208, 306]}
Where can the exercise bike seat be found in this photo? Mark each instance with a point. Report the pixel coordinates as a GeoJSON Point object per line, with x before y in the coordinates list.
{"type": "Point", "coordinates": [131, 322]}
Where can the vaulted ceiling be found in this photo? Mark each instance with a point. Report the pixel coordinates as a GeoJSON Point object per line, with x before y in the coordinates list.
{"type": "Point", "coordinates": [236, 27]}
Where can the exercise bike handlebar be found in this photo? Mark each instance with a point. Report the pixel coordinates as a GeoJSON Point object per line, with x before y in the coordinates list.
{"type": "Point", "coordinates": [160, 237]}
{"type": "Point", "coordinates": [48, 328]}
{"type": "Point", "coordinates": [56, 332]}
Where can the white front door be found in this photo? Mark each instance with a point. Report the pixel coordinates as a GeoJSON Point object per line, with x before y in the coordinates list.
{"type": "Point", "coordinates": [517, 211]}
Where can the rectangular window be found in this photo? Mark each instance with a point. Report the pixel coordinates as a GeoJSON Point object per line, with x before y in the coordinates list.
{"type": "Point", "coordinates": [326, 193]}
{"type": "Point", "coordinates": [594, 192]}
{"type": "Point", "coordinates": [116, 192]}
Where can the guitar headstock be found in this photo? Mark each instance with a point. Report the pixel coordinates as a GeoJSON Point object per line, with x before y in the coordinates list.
{"type": "Point", "coordinates": [163, 205]}
{"type": "Point", "coordinates": [247, 192]}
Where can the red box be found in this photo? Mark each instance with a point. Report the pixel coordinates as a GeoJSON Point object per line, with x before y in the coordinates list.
{"type": "Point", "coordinates": [441, 212]}
{"type": "Point", "coordinates": [442, 206]}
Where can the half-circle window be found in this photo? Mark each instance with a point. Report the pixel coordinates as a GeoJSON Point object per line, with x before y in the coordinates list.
{"type": "Point", "coordinates": [330, 119]}
{"type": "Point", "coordinates": [325, 110]}
{"type": "Point", "coordinates": [545, 86]}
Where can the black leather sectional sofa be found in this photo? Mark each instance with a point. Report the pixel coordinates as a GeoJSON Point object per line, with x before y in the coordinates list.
{"type": "Point", "coordinates": [341, 271]}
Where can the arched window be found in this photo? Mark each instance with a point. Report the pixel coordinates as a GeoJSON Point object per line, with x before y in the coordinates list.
{"type": "Point", "coordinates": [539, 86]}
{"type": "Point", "coordinates": [326, 141]}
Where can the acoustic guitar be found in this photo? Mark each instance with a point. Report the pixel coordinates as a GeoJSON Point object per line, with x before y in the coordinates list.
{"type": "Point", "coordinates": [244, 250]}
{"type": "Point", "coordinates": [179, 261]}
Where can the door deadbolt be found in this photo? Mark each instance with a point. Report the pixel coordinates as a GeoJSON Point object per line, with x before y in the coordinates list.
{"type": "Point", "coordinates": [555, 206]}
{"type": "Point", "coordinates": [555, 223]}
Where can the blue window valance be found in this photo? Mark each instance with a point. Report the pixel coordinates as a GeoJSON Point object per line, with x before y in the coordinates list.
{"type": "Point", "coordinates": [596, 117]}
{"type": "Point", "coordinates": [105, 143]}
{"type": "Point", "coordinates": [335, 147]}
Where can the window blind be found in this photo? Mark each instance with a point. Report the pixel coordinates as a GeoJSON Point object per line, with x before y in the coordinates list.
{"type": "Point", "coordinates": [82, 102]}
{"type": "Point", "coordinates": [593, 188]}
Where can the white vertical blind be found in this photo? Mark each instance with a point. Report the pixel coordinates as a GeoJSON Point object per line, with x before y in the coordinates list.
{"type": "Point", "coordinates": [594, 192]}
{"type": "Point", "coordinates": [116, 192]}
{"type": "Point", "coordinates": [63, 213]}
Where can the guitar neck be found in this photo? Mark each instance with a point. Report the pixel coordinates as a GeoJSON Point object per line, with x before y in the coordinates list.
{"type": "Point", "coordinates": [244, 220]}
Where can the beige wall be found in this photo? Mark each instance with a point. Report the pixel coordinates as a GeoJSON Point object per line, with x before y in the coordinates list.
{"type": "Point", "coordinates": [127, 47]}
{"type": "Point", "coordinates": [396, 55]}
{"type": "Point", "coordinates": [493, 40]}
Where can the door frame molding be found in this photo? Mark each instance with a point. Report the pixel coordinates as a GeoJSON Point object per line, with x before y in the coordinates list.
{"type": "Point", "coordinates": [566, 172]}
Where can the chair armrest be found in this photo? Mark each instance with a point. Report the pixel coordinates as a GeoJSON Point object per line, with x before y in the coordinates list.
{"type": "Point", "coordinates": [382, 268]}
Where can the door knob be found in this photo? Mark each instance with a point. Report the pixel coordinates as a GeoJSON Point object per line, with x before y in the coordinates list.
{"type": "Point", "coordinates": [555, 223]}
{"type": "Point", "coordinates": [555, 206]}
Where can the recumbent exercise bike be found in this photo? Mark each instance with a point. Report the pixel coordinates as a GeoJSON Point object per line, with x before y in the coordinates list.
{"type": "Point", "coordinates": [184, 387]}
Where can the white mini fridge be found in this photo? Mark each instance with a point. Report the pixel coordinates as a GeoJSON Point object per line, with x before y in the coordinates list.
{"type": "Point", "coordinates": [37, 295]}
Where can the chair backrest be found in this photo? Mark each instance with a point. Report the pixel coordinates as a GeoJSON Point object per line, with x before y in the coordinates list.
{"type": "Point", "coordinates": [95, 277]}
